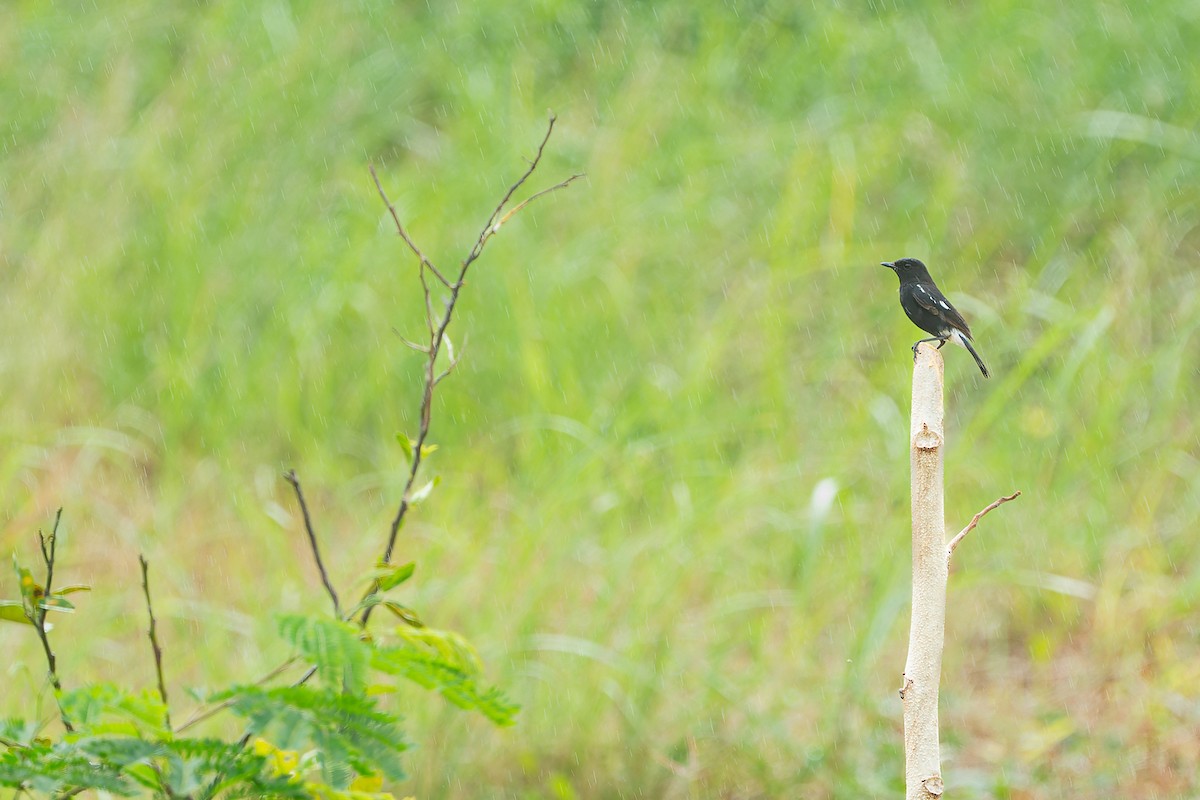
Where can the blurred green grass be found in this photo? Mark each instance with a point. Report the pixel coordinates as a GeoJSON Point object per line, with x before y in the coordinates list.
{"type": "Point", "coordinates": [674, 501]}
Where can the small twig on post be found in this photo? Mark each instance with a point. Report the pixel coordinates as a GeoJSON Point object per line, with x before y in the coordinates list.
{"type": "Point", "coordinates": [950, 548]}
{"type": "Point", "coordinates": [49, 547]}
{"type": "Point", "coordinates": [158, 661]}
{"type": "Point", "coordinates": [290, 477]}
{"type": "Point", "coordinates": [437, 329]}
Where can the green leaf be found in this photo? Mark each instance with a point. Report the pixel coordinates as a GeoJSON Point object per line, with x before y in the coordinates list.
{"type": "Point", "coordinates": [13, 611]}
{"type": "Point", "coordinates": [406, 444]}
{"type": "Point", "coordinates": [433, 671]}
{"type": "Point", "coordinates": [340, 655]}
{"type": "Point", "coordinates": [449, 645]}
{"type": "Point", "coordinates": [50, 769]}
{"type": "Point", "coordinates": [351, 733]}
{"type": "Point", "coordinates": [73, 588]}
{"type": "Point", "coordinates": [23, 732]}
{"type": "Point", "coordinates": [108, 709]}
{"type": "Point", "coordinates": [417, 497]}
{"type": "Point", "coordinates": [30, 591]}
{"type": "Point", "coordinates": [363, 787]}
{"type": "Point", "coordinates": [395, 575]}
{"type": "Point", "coordinates": [53, 602]}
{"type": "Point", "coordinates": [403, 612]}
{"type": "Point", "coordinates": [119, 751]}
{"type": "Point", "coordinates": [212, 768]}
{"type": "Point", "coordinates": [370, 600]}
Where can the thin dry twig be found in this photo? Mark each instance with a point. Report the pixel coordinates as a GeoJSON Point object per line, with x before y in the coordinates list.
{"type": "Point", "coordinates": [492, 228]}
{"type": "Point", "coordinates": [420, 348]}
{"type": "Point", "coordinates": [560, 185]}
{"type": "Point", "coordinates": [425, 262]}
{"type": "Point", "coordinates": [953, 545]}
{"type": "Point", "coordinates": [290, 477]}
{"type": "Point", "coordinates": [437, 337]}
{"type": "Point", "coordinates": [437, 331]}
{"type": "Point", "coordinates": [455, 357]}
{"type": "Point", "coordinates": [158, 653]}
{"type": "Point", "coordinates": [201, 713]}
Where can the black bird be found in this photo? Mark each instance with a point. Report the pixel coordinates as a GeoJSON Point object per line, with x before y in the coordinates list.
{"type": "Point", "coordinates": [929, 309]}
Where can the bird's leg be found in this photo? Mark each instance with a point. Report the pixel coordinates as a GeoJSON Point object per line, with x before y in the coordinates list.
{"type": "Point", "coordinates": [941, 340]}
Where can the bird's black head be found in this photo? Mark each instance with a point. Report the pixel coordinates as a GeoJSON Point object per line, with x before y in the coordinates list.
{"type": "Point", "coordinates": [908, 270]}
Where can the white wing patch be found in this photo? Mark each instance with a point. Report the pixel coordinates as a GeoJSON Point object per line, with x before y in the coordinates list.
{"type": "Point", "coordinates": [943, 304]}
{"type": "Point", "coordinates": [956, 336]}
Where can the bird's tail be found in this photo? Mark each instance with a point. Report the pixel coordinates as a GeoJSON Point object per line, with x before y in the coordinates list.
{"type": "Point", "coordinates": [965, 342]}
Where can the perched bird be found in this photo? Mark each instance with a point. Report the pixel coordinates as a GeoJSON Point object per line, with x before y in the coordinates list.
{"type": "Point", "coordinates": [929, 309]}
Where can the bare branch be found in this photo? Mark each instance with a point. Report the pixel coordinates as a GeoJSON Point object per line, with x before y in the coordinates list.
{"type": "Point", "coordinates": [437, 332]}
{"type": "Point", "coordinates": [428, 301]}
{"type": "Point", "coordinates": [290, 477]}
{"type": "Point", "coordinates": [953, 545]}
{"type": "Point", "coordinates": [493, 224]}
{"type": "Point", "coordinates": [37, 614]}
{"type": "Point", "coordinates": [425, 262]}
{"type": "Point", "coordinates": [420, 348]}
{"type": "Point", "coordinates": [49, 545]}
{"type": "Point", "coordinates": [437, 338]}
{"type": "Point", "coordinates": [200, 714]}
{"type": "Point", "coordinates": [158, 667]}
{"type": "Point", "coordinates": [561, 185]}
{"type": "Point", "coordinates": [454, 359]}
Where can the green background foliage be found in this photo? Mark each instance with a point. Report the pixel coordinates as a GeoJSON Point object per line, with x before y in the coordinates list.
{"type": "Point", "coordinates": [674, 496]}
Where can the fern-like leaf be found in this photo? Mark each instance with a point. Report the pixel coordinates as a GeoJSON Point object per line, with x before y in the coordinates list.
{"type": "Point", "coordinates": [333, 646]}
{"type": "Point", "coordinates": [104, 708]}
{"type": "Point", "coordinates": [51, 769]}
{"type": "Point", "coordinates": [210, 768]}
{"type": "Point", "coordinates": [349, 731]}
{"type": "Point", "coordinates": [447, 675]}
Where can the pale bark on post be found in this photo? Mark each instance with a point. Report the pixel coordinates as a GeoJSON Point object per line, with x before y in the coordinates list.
{"type": "Point", "coordinates": [930, 565]}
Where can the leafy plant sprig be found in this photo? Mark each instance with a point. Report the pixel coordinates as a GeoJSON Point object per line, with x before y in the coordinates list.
{"type": "Point", "coordinates": [332, 738]}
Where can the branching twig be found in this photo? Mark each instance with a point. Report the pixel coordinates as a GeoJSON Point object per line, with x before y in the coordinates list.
{"type": "Point", "coordinates": [49, 545]}
{"type": "Point", "coordinates": [437, 331]}
{"type": "Point", "coordinates": [561, 185]}
{"type": "Point", "coordinates": [158, 667]}
{"type": "Point", "coordinates": [950, 548]}
{"type": "Point", "coordinates": [290, 477]}
{"type": "Point", "coordinates": [493, 224]}
{"type": "Point", "coordinates": [454, 359]}
{"type": "Point", "coordinates": [437, 337]}
{"type": "Point", "coordinates": [202, 713]}
{"type": "Point", "coordinates": [420, 348]}
{"type": "Point", "coordinates": [425, 262]}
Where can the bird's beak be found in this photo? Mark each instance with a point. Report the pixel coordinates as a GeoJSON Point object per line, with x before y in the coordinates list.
{"type": "Point", "coordinates": [887, 264]}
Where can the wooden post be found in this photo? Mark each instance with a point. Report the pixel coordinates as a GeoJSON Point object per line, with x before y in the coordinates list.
{"type": "Point", "coordinates": [930, 565]}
